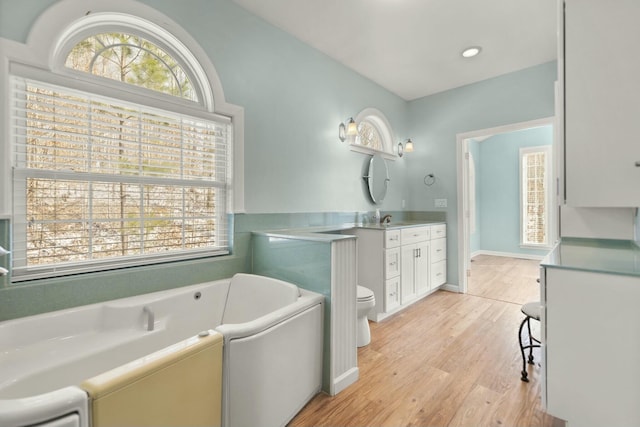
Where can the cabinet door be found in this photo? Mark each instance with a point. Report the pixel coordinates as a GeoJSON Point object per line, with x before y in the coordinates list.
{"type": "Point", "coordinates": [408, 291]}
{"type": "Point", "coordinates": [602, 83]}
{"type": "Point", "coordinates": [421, 276]}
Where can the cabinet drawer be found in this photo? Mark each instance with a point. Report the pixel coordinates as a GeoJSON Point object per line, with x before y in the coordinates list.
{"type": "Point", "coordinates": [438, 250]}
{"type": "Point", "coordinates": [438, 231]}
{"type": "Point", "coordinates": [414, 234]}
{"type": "Point", "coordinates": [438, 274]}
{"type": "Point", "coordinates": [391, 263]}
{"type": "Point", "coordinates": [392, 294]}
{"type": "Point", "coordinates": [391, 239]}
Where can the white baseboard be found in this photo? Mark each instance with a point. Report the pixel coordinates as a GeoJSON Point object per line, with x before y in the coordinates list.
{"type": "Point", "coordinates": [508, 255]}
{"type": "Point", "coordinates": [344, 381]}
{"type": "Point", "coordinates": [450, 288]}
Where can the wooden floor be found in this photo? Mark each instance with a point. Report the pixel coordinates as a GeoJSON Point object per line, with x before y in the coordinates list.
{"type": "Point", "coordinates": [505, 279]}
{"type": "Point", "coordinates": [448, 360]}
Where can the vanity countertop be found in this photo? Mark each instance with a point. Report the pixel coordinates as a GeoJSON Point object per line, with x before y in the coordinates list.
{"type": "Point", "coordinates": [595, 255]}
{"type": "Point", "coordinates": [338, 232]}
{"type": "Point", "coordinates": [397, 224]}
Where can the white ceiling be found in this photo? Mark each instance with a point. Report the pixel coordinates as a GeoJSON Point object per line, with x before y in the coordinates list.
{"type": "Point", "coordinates": [412, 47]}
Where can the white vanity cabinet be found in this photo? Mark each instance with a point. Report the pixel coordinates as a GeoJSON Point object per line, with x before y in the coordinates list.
{"type": "Point", "coordinates": [601, 108]}
{"type": "Point", "coordinates": [400, 265]}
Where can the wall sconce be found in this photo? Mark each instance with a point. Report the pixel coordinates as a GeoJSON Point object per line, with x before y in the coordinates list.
{"type": "Point", "coordinates": [407, 148]}
{"type": "Point", "coordinates": [350, 130]}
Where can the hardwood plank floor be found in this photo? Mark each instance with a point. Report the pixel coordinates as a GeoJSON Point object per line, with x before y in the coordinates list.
{"type": "Point", "coordinates": [448, 360]}
{"type": "Point", "coordinates": [505, 279]}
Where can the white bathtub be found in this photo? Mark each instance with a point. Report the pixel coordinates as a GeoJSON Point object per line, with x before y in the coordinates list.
{"type": "Point", "coordinates": [272, 360]}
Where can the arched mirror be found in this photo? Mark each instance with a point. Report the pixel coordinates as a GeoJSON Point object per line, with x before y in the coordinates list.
{"type": "Point", "coordinates": [377, 178]}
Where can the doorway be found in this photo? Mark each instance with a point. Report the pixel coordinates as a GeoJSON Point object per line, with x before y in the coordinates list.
{"type": "Point", "coordinates": [496, 215]}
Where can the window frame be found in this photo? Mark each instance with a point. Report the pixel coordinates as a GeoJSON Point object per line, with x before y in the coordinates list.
{"type": "Point", "coordinates": [43, 58]}
{"type": "Point", "coordinates": [377, 119]}
{"type": "Point", "coordinates": [547, 151]}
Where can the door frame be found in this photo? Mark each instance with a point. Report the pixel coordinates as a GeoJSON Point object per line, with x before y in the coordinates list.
{"type": "Point", "coordinates": [462, 164]}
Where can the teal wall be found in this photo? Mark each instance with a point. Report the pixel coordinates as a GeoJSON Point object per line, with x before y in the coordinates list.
{"type": "Point", "coordinates": [294, 97]}
{"type": "Point", "coordinates": [498, 189]}
{"type": "Point", "coordinates": [436, 120]}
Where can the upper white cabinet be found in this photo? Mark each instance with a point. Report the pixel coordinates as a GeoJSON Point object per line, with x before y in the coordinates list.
{"type": "Point", "coordinates": [601, 103]}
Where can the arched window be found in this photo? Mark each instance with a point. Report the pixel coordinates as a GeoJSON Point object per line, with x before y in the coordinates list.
{"type": "Point", "coordinates": [118, 158]}
{"type": "Point", "coordinates": [131, 59]}
{"type": "Point", "coordinates": [374, 134]}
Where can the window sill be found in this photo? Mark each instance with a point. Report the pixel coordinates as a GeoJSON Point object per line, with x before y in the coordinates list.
{"type": "Point", "coordinates": [536, 247]}
{"type": "Point", "coordinates": [21, 274]}
{"type": "Point", "coordinates": [370, 151]}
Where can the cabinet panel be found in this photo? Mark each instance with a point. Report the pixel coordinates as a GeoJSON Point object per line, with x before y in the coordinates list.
{"type": "Point", "coordinates": [408, 291]}
{"type": "Point", "coordinates": [592, 345]}
{"type": "Point", "coordinates": [421, 268]}
{"type": "Point", "coordinates": [601, 103]}
{"type": "Point", "coordinates": [391, 263]}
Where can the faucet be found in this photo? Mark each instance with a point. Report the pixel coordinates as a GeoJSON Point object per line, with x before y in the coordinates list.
{"type": "Point", "coordinates": [386, 218]}
{"type": "Point", "coordinates": [150, 317]}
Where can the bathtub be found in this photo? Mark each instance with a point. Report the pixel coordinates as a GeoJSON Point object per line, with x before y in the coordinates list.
{"type": "Point", "coordinates": [272, 352]}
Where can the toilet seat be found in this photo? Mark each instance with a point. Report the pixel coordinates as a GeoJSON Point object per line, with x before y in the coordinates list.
{"type": "Point", "coordinates": [364, 294]}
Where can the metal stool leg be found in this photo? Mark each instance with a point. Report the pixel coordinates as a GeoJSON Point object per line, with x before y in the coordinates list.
{"type": "Point", "coordinates": [530, 360]}
{"type": "Point", "coordinates": [524, 363]}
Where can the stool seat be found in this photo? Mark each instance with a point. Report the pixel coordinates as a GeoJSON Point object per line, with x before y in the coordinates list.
{"type": "Point", "coordinates": [531, 310]}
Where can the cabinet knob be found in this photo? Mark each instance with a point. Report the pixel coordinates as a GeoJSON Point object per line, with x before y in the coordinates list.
{"type": "Point", "coordinates": [638, 164]}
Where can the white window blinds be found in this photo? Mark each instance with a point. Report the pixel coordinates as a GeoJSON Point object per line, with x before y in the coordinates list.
{"type": "Point", "coordinates": [101, 182]}
{"type": "Point", "coordinates": [535, 197]}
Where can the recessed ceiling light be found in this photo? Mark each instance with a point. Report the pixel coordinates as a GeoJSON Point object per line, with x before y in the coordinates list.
{"type": "Point", "coordinates": [470, 52]}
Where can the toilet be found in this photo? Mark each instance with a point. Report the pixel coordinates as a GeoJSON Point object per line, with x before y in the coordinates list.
{"type": "Point", "coordinates": [366, 301]}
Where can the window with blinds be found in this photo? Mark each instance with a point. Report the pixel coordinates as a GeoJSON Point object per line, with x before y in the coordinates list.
{"type": "Point", "coordinates": [100, 183]}
{"type": "Point", "coordinates": [534, 165]}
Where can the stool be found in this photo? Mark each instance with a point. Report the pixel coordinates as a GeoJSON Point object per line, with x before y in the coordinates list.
{"type": "Point", "coordinates": [531, 310]}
